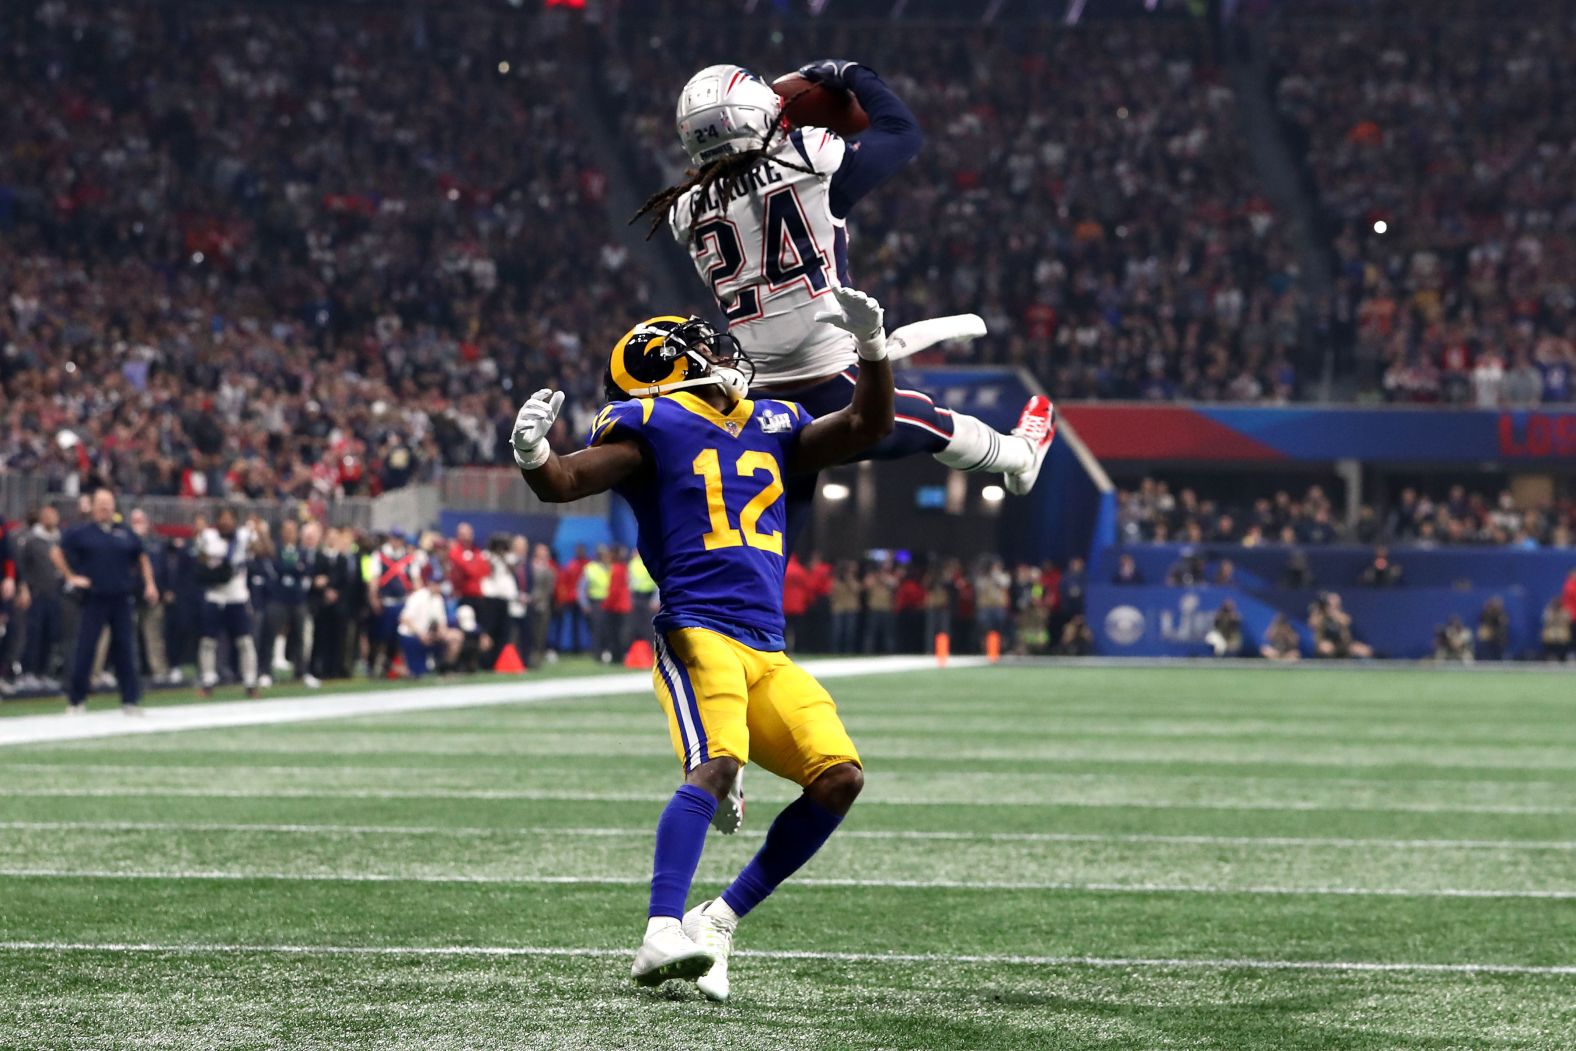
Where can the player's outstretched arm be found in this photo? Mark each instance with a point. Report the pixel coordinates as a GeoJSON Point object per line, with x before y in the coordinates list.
{"type": "Point", "coordinates": [867, 419]}
{"type": "Point", "coordinates": [893, 139]}
{"type": "Point", "coordinates": [559, 479]}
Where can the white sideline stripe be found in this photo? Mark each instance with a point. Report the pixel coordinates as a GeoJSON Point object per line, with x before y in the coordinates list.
{"type": "Point", "coordinates": [37, 729]}
{"type": "Point", "coordinates": [899, 884]}
{"type": "Point", "coordinates": [1161, 963]}
{"type": "Point", "coordinates": [547, 795]}
{"type": "Point", "coordinates": [482, 831]}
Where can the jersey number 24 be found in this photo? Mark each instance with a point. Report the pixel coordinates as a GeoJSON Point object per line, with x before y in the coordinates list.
{"type": "Point", "coordinates": [788, 253]}
{"type": "Point", "coordinates": [751, 462]}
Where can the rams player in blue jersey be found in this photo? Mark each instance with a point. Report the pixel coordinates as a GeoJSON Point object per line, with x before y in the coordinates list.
{"type": "Point", "coordinates": [703, 467]}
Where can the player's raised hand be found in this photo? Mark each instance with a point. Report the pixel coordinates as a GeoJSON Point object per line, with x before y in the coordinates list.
{"type": "Point", "coordinates": [531, 425]}
{"type": "Point", "coordinates": [861, 316]}
{"type": "Point", "coordinates": [829, 72]}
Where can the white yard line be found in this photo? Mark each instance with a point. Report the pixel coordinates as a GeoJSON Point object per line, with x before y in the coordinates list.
{"type": "Point", "coordinates": [639, 745]}
{"type": "Point", "coordinates": [871, 799]}
{"type": "Point", "coordinates": [645, 832]}
{"type": "Point", "coordinates": [75, 770]}
{"type": "Point", "coordinates": [39, 729]}
{"type": "Point", "coordinates": [989, 959]}
{"type": "Point", "coordinates": [614, 880]}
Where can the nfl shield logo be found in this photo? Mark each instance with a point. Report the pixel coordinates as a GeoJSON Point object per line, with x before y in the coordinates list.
{"type": "Point", "coordinates": [732, 429]}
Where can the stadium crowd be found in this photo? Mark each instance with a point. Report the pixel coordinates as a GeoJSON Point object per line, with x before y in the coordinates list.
{"type": "Point", "coordinates": [1447, 163]}
{"type": "Point", "coordinates": [247, 252]}
{"type": "Point", "coordinates": [1152, 512]}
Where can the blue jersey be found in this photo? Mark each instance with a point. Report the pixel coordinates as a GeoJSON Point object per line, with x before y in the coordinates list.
{"type": "Point", "coordinates": [710, 508]}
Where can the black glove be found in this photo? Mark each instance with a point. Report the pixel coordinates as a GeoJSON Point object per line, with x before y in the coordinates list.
{"type": "Point", "coordinates": [829, 72]}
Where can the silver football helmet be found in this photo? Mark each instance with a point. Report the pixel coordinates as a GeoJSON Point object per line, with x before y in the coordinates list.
{"type": "Point", "coordinates": [725, 109]}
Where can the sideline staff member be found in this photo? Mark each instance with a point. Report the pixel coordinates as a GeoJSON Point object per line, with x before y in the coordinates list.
{"type": "Point", "coordinates": [105, 561]}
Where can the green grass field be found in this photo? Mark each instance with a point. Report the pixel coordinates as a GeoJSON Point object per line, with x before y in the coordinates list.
{"type": "Point", "coordinates": [1043, 858]}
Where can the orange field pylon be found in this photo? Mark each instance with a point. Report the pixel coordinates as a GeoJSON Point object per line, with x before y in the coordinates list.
{"type": "Point", "coordinates": [509, 661]}
{"type": "Point", "coordinates": [639, 655]}
{"type": "Point", "coordinates": [993, 646]}
{"type": "Point", "coordinates": [943, 648]}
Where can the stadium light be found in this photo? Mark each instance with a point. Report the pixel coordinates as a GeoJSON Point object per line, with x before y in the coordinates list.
{"type": "Point", "coordinates": [503, 69]}
{"type": "Point", "coordinates": [1380, 226]}
{"type": "Point", "coordinates": [993, 494]}
{"type": "Point", "coordinates": [835, 491]}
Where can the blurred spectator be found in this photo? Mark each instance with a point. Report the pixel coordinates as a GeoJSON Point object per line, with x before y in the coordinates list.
{"type": "Point", "coordinates": [1555, 633]}
{"type": "Point", "coordinates": [909, 606]}
{"type": "Point", "coordinates": [938, 606]}
{"type": "Point", "coordinates": [1332, 629]}
{"type": "Point", "coordinates": [1280, 641]}
{"type": "Point", "coordinates": [468, 568]}
{"type": "Point", "coordinates": [1077, 638]}
{"type": "Point", "coordinates": [40, 579]}
{"type": "Point", "coordinates": [544, 582]}
{"type": "Point", "coordinates": [1297, 575]}
{"type": "Point", "coordinates": [393, 574]}
{"type": "Point", "coordinates": [425, 632]}
{"type": "Point", "coordinates": [991, 597]}
{"type": "Point", "coordinates": [796, 598]}
{"type": "Point", "coordinates": [846, 596]}
{"type": "Point", "coordinates": [1188, 570]}
{"type": "Point", "coordinates": [1225, 574]}
{"type": "Point", "coordinates": [1225, 634]}
{"type": "Point", "coordinates": [1126, 571]}
{"type": "Point", "coordinates": [571, 625]}
{"type": "Point", "coordinates": [596, 578]}
{"type": "Point", "coordinates": [1381, 571]}
{"type": "Point", "coordinates": [1493, 631]}
{"type": "Point", "coordinates": [1453, 642]}
{"type": "Point", "coordinates": [499, 591]}
{"type": "Point", "coordinates": [224, 552]}
{"type": "Point", "coordinates": [617, 605]}
{"type": "Point", "coordinates": [880, 593]}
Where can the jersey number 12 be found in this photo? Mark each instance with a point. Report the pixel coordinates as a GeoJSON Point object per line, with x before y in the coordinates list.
{"type": "Point", "coordinates": [722, 534]}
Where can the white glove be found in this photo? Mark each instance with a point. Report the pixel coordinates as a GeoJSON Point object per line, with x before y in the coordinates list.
{"type": "Point", "coordinates": [861, 316]}
{"type": "Point", "coordinates": [531, 425]}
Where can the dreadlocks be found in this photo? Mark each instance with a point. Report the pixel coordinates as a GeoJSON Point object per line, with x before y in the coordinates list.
{"type": "Point", "coordinates": [726, 173]}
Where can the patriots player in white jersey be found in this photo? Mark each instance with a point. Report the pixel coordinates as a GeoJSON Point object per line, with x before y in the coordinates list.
{"type": "Point", "coordinates": [764, 217]}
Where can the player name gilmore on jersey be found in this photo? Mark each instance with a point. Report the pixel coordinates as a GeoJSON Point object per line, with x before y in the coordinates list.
{"type": "Point", "coordinates": [740, 185]}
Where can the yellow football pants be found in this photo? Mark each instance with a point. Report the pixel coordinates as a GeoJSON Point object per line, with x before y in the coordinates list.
{"type": "Point", "coordinates": [723, 698]}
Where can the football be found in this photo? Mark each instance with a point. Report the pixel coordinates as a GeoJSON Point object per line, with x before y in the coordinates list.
{"type": "Point", "coordinates": [810, 105]}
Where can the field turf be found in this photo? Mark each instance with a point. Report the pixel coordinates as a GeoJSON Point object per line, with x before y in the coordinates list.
{"type": "Point", "coordinates": [1045, 857]}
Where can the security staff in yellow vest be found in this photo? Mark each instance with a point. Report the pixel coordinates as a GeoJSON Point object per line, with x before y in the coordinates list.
{"type": "Point", "coordinates": [595, 581]}
{"type": "Point", "coordinates": [644, 592]}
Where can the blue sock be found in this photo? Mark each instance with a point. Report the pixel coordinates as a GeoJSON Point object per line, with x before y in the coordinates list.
{"type": "Point", "coordinates": [792, 840]}
{"type": "Point", "coordinates": [681, 835]}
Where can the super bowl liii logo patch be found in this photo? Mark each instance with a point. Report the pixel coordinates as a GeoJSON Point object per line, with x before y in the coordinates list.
{"type": "Point", "coordinates": [776, 422]}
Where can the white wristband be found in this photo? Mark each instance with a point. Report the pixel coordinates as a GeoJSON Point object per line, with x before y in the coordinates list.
{"type": "Point", "coordinates": [872, 348]}
{"type": "Point", "coordinates": [534, 457]}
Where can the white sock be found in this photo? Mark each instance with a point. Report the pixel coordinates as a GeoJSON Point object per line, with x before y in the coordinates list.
{"type": "Point", "coordinates": [720, 909]}
{"type": "Point", "coordinates": [246, 655]}
{"type": "Point", "coordinates": [975, 447]}
{"type": "Point", "coordinates": [208, 661]}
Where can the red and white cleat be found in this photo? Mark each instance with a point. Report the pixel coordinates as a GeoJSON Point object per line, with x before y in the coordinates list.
{"type": "Point", "coordinates": [1037, 426]}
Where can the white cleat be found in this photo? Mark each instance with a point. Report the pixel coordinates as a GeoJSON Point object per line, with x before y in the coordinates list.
{"type": "Point", "coordinates": [729, 817]}
{"type": "Point", "coordinates": [1037, 426]}
{"type": "Point", "coordinates": [711, 925]}
{"type": "Point", "coordinates": [667, 953]}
